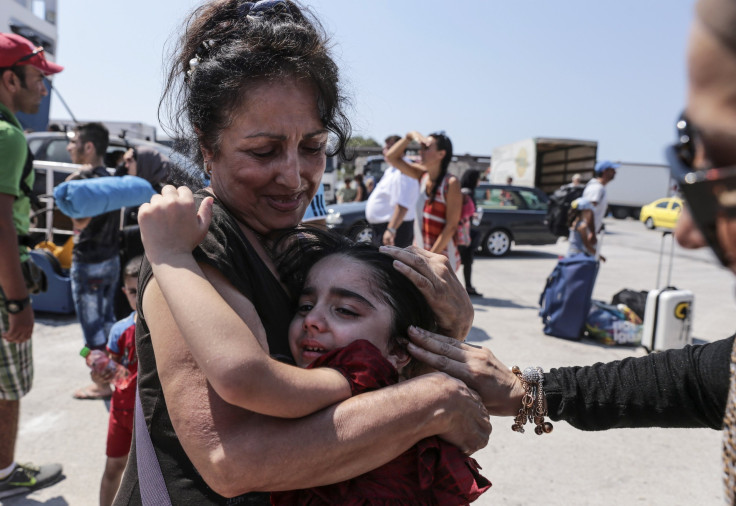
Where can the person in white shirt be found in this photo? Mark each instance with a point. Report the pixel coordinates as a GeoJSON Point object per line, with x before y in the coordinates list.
{"type": "Point", "coordinates": [595, 191]}
{"type": "Point", "coordinates": [391, 205]}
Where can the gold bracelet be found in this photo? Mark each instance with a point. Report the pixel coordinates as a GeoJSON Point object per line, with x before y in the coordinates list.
{"type": "Point", "coordinates": [532, 403]}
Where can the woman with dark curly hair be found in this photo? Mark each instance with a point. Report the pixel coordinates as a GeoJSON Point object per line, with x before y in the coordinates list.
{"type": "Point", "coordinates": [352, 314]}
{"type": "Point", "coordinates": [254, 86]}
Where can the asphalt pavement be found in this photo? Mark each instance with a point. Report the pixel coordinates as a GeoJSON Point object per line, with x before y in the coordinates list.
{"type": "Point", "coordinates": [566, 467]}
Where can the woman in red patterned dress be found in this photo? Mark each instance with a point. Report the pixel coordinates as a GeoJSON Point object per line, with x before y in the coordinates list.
{"type": "Point", "coordinates": [440, 200]}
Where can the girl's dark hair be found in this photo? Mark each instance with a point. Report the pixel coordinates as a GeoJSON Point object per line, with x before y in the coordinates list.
{"type": "Point", "coordinates": [301, 248]}
{"type": "Point", "coordinates": [469, 179]}
{"type": "Point", "coordinates": [230, 46]}
{"type": "Point", "coordinates": [443, 143]}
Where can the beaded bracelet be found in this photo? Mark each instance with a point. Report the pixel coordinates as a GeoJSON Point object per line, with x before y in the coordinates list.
{"type": "Point", "coordinates": [532, 404]}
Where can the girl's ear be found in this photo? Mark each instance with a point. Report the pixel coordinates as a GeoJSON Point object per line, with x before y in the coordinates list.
{"type": "Point", "coordinates": [399, 357]}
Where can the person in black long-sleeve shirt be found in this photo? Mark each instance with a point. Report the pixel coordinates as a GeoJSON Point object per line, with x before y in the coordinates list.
{"type": "Point", "coordinates": [677, 388]}
{"type": "Point", "coordinates": [686, 387]}
{"type": "Point", "coordinates": [690, 387]}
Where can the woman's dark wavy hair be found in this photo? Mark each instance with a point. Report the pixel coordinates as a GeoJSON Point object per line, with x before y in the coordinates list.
{"type": "Point", "coordinates": [443, 142]}
{"type": "Point", "coordinates": [469, 179]}
{"type": "Point", "coordinates": [301, 248]}
{"type": "Point", "coordinates": [237, 52]}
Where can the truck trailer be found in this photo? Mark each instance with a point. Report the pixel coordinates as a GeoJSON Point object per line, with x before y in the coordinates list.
{"type": "Point", "coordinates": [542, 162]}
{"type": "Point", "coordinates": [638, 184]}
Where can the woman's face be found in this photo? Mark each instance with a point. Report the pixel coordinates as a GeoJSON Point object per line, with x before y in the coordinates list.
{"type": "Point", "coordinates": [130, 162]}
{"type": "Point", "coordinates": [271, 158]}
{"type": "Point", "coordinates": [338, 306]}
{"type": "Point", "coordinates": [711, 107]}
{"type": "Point", "coordinates": [429, 153]}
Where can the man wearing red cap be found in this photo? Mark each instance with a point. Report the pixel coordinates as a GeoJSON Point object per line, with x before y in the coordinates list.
{"type": "Point", "coordinates": [22, 70]}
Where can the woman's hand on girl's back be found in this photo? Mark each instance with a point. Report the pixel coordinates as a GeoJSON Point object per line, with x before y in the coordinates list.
{"type": "Point", "coordinates": [463, 419]}
{"type": "Point", "coordinates": [171, 224]}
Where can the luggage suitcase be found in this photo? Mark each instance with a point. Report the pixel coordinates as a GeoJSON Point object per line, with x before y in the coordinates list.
{"type": "Point", "coordinates": [566, 298]}
{"type": "Point", "coordinates": [668, 311]}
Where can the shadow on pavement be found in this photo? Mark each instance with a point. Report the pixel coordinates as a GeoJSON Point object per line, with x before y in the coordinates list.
{"type": "Point", "coordinates": [21, 500]}
{"type": "Point", "coordinates": [55, 320]}
{"type": "Point", "coordinates": [592, 342]}
{"type": "Point", "coordinates": [477, 334]}
{"type": "Point", "coordinates": [516, 254]}
{"type": "Point", "coordinates": [491, 302]}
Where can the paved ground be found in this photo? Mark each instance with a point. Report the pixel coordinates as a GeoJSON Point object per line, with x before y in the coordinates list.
{"type": "Point", "coordinates": [567, 467]}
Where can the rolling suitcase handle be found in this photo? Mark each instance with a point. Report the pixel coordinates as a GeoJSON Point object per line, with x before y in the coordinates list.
{"type": "Point", "coordinates": [661, 259]}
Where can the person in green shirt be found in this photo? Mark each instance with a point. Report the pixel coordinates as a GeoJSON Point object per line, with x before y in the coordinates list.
{"type": "Point", "coordinates": [22, 70]}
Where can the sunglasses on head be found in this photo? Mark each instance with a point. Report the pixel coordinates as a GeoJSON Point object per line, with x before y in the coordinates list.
{"type": "Point", "coordinates": [709, 192]}
{"type": "Point", "coordinates": [27, 57]}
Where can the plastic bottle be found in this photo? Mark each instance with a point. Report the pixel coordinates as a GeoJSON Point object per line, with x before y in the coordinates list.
{"type": "Point", "coordinates": [98, 361]}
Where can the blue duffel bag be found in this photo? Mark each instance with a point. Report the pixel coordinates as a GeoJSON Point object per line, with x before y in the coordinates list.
{"type": "Point", "coordinates": [566, 298]}
{"type": "Point", "coordinates": [85, 198]}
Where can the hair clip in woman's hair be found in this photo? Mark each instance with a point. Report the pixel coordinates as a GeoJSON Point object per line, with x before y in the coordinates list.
{"type": "Point", "coordinates": [194, 62]}
{"type": "Point", "coordinates": [258, 9]}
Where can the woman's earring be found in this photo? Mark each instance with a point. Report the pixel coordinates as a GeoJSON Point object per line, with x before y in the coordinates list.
{"type": "Point", "coordinates": [208, 167]}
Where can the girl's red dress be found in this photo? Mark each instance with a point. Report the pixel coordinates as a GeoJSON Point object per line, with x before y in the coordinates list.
{"type": "Point", "coordinates": [431, 472]}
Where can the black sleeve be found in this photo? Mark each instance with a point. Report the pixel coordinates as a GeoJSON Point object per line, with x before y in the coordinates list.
{"type": "Point", "coordinates": [687, 387]}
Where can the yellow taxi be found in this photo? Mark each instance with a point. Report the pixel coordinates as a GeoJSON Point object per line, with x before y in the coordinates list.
{"type": "Point", "coordinates": [661, 213]}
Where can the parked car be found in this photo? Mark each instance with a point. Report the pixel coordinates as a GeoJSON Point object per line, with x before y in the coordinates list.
{"type": "Point", "coordinates": [511, 214]}
{"type": "Point", "coordinates": [349, 219]}
{"type": "Point", "coordinates": [662, 213]}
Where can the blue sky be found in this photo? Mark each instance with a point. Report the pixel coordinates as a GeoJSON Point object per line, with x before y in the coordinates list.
{"type": "Point", "coordinates": [487, 72]}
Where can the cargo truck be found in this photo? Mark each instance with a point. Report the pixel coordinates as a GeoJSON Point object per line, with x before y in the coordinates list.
{"type": "Point", "coordinates": [542, 162]}
{"type": "Point", "coordinates": [638, 184]}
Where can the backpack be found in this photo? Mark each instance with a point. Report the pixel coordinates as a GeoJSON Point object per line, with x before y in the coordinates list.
{"type": "Point", "coordinates": [559, 207]}
{"type": "Point", "coordinates": [462, 233]}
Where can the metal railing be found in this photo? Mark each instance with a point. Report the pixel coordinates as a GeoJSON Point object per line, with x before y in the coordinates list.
{"type": "Point", "coordinates": [49, 170]}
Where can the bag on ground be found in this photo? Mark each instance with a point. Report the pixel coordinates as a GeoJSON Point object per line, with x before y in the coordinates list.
{"type": "Point", "coordinates": [613, 325]}
{"type": "Point", "coordinates": [566, 298]}
{"type": "Point", "coordinates": [636, 300]}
